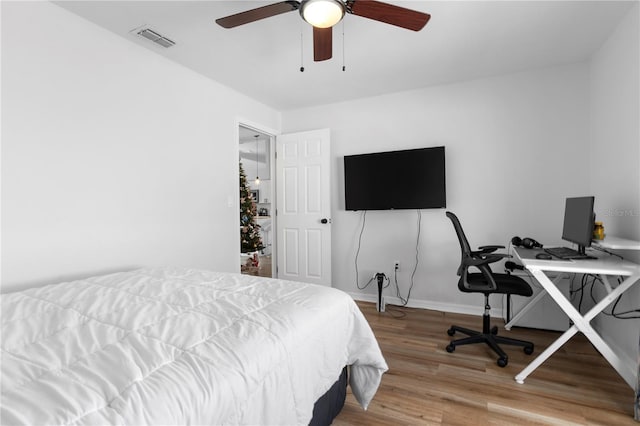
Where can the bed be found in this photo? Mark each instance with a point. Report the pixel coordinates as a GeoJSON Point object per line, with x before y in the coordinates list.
{"type": "Point", "coordinates": [182, 346]}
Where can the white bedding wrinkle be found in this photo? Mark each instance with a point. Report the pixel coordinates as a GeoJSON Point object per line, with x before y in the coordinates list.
{"type": "Point", "coordinates": [180, 346]}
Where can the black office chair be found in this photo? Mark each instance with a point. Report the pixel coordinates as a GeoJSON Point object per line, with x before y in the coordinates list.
{"type": "Point", "coordinates": [486, 282]}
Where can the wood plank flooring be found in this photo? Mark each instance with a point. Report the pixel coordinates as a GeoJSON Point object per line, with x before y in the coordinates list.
{"type": "Point", "coordinates": [264, 268]}
{"type": "Point", "coordinates": [426, 385]}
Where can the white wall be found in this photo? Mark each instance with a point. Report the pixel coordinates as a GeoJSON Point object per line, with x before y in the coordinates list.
{"type": "Point", "coordinates": [615, 159]}
{"type": "Point", "coordinates": [615, 145]}
{"type": "Point", "coordinates": [516, 146]}
{"type": "Point", "coordinates": [112, 156]}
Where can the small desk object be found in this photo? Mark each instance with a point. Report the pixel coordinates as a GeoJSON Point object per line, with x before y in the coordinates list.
{"type": "Point", "coordinates": [604, 265]}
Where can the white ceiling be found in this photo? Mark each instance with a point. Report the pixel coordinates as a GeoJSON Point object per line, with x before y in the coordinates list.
{"type": "Point", "coordinates": [463, 40]}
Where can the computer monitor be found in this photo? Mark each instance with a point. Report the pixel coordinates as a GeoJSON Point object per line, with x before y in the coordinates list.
{"type": "Point", "coordinates": [578, 222]}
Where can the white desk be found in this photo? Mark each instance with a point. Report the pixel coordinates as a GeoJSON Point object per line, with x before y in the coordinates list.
{"type": "Point", "coordinates": [617, 243]}
{"type": "Point", "coordinates": [604, 266]}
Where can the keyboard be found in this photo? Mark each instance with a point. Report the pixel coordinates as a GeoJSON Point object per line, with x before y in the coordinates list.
{"type": "Point", "coordinates": [565, 253]}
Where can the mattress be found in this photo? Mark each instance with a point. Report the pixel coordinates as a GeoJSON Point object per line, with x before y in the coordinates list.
{"type": "Point", "coordinates": [180, 346]}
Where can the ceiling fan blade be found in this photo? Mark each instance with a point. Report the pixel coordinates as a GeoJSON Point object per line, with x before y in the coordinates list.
{"type": "Point", "coordinates": [322, 43]}
{"type": "Point", "coordinates": [257, 14]}
{"type": "Point", "coordinates": [388, 13]}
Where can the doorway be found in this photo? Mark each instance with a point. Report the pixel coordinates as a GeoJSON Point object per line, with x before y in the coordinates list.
{"type": "Point", "coordinates": [255, 150]}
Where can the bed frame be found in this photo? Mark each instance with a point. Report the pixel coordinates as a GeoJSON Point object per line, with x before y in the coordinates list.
{"type": "Point", "coordinates": [330, 404]}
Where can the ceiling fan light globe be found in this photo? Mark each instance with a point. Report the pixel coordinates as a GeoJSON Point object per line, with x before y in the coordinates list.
{"type": "Point", "coordinates": [322, 13]}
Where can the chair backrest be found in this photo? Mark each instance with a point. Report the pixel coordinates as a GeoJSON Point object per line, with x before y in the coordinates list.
{"type": "Point", "coordinates": [471, 259]}
{"type": "Point", "coordinates": [465, 248]}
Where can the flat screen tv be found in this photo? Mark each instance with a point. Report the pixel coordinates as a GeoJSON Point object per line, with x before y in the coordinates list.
{"type": "Point", "coordinates": [407, 179]}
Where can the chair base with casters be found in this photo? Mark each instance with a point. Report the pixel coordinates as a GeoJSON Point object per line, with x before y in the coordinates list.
{"type": "Point", "coordinates": [487, 282]}
{"type": "Point", "coordinates": [488, 335]}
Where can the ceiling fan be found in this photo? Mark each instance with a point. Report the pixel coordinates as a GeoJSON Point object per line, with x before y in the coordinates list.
{"type": "Point", "coordinates": [324, 14]}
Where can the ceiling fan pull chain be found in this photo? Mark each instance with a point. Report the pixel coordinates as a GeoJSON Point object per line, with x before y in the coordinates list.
{"type": "Point", "coordinates": [343, 55]}
{"type": "Point", "coordinates": [301, 51]}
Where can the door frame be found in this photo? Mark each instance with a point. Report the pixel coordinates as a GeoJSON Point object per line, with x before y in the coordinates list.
{"type": "Point", "coordinates": [272, 133]}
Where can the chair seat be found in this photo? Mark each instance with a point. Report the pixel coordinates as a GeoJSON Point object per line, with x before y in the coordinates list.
{"type": "Point", "coordinates": [506, 283]}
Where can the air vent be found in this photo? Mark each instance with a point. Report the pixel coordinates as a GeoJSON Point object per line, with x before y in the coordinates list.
{"type": "Point", "coordinates": [155, 37]}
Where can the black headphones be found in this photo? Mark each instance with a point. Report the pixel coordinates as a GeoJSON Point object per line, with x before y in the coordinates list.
{"type": "Point", "coordinates": [526, 243]}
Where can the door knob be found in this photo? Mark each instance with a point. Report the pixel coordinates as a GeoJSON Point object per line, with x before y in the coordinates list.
{"type": "Point", "coordinates": [325, 221]}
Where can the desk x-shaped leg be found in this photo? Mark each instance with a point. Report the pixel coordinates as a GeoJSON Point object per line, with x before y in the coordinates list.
{"type": "Point", "coordinates": [583, 324]}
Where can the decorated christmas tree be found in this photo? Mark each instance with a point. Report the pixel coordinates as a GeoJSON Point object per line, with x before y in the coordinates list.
{"type": "Point", "coordinates": [250, 240]}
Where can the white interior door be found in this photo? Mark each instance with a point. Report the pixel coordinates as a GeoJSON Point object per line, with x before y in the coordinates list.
{"type": "Point", "coordinates": [303, 220]}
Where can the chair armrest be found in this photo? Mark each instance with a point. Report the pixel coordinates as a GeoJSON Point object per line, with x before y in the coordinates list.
{"type": "Point", "coordinates": [482, 250]}
{"type": "Point", "coordinates": [488, 276]}
{"type": "Point", "coordinates": [481, 262]}
{"type": "Point", "coordinates": [480, 259]}
{"type": "Point", "coordinates": [489, 249]}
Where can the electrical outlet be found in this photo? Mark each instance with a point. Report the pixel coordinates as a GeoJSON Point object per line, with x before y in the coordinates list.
{"type": "Point", "coordinates": [396, 265]}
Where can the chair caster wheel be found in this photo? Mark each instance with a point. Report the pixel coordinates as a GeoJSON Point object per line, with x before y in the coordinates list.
{"type": "Point", "coordinates": [450, 348]}
{"type": "Point", "coordinates": [494, 330]}
{"type": "Point", "coordinates": [451, 332]}
{"type": "Point", "coordinates": [502, 362]}
{"type": "Point", "coordinates": [528, 350]}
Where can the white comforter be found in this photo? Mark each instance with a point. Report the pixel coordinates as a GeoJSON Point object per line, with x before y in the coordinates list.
{"type": "Point", "coordinates": [178, 346]}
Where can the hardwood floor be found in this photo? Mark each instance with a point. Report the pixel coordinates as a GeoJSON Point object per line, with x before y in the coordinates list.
{"type": "Point", "coordinates": [264, 268]}
{"type": "Point", "coordinates": [426, 385]}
